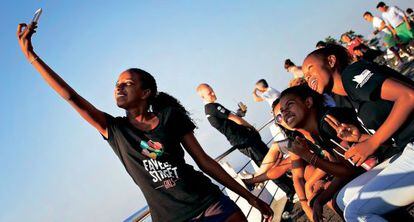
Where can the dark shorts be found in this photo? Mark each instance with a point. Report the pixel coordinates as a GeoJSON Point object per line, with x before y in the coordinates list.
{"type": "Point", "coordinates": [217, 211]}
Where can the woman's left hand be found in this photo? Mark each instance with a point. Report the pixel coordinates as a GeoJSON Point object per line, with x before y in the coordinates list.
{"type": "Point", "coordinates": [359, 152]}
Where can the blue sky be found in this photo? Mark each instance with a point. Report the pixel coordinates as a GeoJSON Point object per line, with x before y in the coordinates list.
{"type": "Point", "coordinates": [54, 165]}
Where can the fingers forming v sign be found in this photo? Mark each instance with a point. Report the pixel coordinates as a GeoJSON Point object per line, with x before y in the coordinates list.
{"type": "Point", "coordinates": [346, 132]}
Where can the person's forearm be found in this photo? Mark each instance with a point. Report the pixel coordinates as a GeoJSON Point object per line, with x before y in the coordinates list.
{"type": "Point", "coordinates": [407, 22]}
{"type": "Point", "coordinates": [307, 209]}
{"type": "Point", "coordinates": [382, 27]}
{"type": "Point", "coordinates": [272, 157]}
{"type": "Point", "coordinates": [333, 168]}
{"type": "Point", "coordinates": [394, 33]}
{"type": "Point", "coordinates": [239, 120]}
{"type": "Point", "coordinates": [213, 169]}
{"type": "Point", "coordinates": [317, 174]}
{"type": "Point", "coordinates": [401, 110]}
{"type": "Point", "coordinates": [299, 185]}
{"type": "Point", "coordinates": [51, 78]}
{"type": "Point", "coordinates": [336, 184]}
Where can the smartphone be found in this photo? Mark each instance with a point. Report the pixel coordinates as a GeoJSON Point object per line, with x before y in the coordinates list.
{"type": "Point", "coordinates": [37, 15]}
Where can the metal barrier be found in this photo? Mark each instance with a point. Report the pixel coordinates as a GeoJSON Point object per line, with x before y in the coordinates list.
{"type": "Point", "coordinates": [144, 213]}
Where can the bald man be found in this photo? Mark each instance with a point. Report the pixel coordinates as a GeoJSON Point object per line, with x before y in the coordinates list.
{"type": "Point", "coordinates": [237, 130]}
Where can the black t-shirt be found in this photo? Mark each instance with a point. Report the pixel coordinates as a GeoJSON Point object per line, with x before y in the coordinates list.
{"type": "Point", "coordinates": [155, 160]}
{"type": "Point", "coordinates": [348, 116]}
{"type": "Point", "coordinates": [218, 115]}
{"type": "Point", "coordinates": [363, 82]}
{"type": "Point", "coordinates": [341, 101]}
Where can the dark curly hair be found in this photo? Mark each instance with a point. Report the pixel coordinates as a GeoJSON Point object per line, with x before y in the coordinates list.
{"type": "Point", "coordinates": [304, 92]}
{"type": "Point", "coordinates": [343, 58]}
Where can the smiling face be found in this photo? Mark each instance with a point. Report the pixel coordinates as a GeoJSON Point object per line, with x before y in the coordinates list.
{"type": "Point", "coordinates": [128, 92]}
{"type": "Point", "coordinates": [294, 110]}
{"type": "Point", "coordinates": [317, 73]}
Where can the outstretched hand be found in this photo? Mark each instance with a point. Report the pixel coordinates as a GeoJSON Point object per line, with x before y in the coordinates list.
{"type": "Point", "coordinates": [24, 35]}
{"type": "Point", "coordinates": [264, 208]}
{"type": "Point", "coordinates": [345, 132]}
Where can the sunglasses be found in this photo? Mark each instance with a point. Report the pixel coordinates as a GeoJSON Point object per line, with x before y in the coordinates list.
{"type": "Point", "coordinates": [278, 118]}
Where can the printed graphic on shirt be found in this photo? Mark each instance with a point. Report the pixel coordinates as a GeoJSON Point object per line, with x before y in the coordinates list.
{"type": "Point", "coordinates": [362, 78]}
{"type": "Point", "coordinates": [151, 149]}
{"type": "Point", "coordinates": [161, 172]}
{"type": "Point", "coordinates": [221, 109]}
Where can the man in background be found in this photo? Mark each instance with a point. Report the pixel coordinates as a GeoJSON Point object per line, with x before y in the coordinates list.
{"type": "Point", "coordinates": [237, 130]}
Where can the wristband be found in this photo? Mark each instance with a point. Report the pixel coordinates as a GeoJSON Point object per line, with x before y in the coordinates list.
{"type": "Point", "coordinates": [34, 59]}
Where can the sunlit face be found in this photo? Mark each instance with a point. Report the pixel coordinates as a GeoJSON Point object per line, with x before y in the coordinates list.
{"type": "Point", "coordinates": [294, 111]}
{"type": "Point", "coordinates": [346, 39]}
{"type": "Point", "coordinates": [207, 94]}
{"type": "Point", "coordinates": [317, 73]}
{"type": "Point", "coordinates": [128, 92]}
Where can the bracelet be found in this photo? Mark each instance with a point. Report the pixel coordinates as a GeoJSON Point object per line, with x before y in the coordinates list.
{"type": "Point", "coordinates": [34, 59]}
{"type": "Point", "coordinates": [304, 199]}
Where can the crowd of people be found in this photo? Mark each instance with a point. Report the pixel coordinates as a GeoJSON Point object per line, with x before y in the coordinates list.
{"type": "Point", "coordinates": [343, 129]}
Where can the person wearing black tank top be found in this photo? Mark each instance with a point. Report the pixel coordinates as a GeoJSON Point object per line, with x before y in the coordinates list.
{"type": "Point", "coordinates": [150, 142]}
{"type": "Point", "coordinates": [384, 101]}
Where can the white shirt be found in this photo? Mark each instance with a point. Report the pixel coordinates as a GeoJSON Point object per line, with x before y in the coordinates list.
{"type": "Point", "coordinates": [393, 16]}
{"type": "Point", "coordinates": [270, 95]}
{"type": "Point", "coordinates": [376, 23]}
{"type": "Point", "coordinates": [296, 71]}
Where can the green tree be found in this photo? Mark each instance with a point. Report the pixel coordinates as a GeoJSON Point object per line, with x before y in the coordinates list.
{"type": "Point", "coordinates": [330, 40]}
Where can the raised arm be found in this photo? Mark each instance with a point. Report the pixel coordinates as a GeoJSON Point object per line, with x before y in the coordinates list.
{"type": "Point", "coordinates": [94, 116]}
{"type": "Point", "coordinates": [213, 169]}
